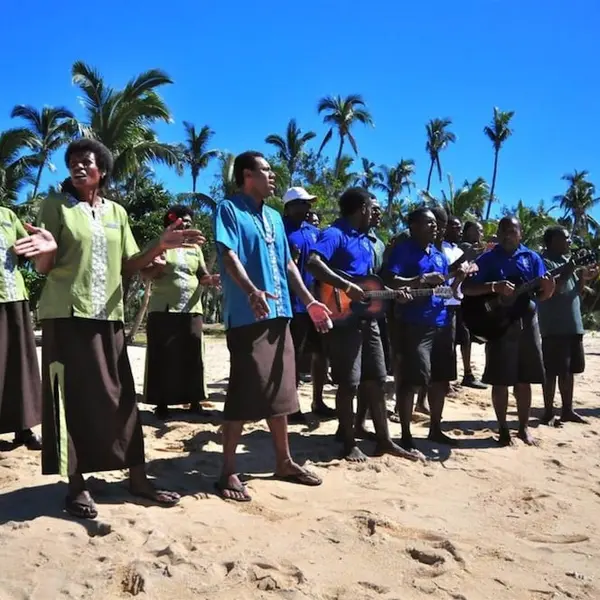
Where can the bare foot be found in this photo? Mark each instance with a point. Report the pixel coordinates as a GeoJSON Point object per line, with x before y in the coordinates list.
{"type": "Point", "coordinates": [421, 408]}
{"type": "Point", "coordinates": [355, 454]}
{"type": "Point", "coordinates": [550, 420]}
{"type": "Point", "coordinates": [526, 436]}
{"type": "Point", "coordinates": [393, 417]}
{"type": "Point", "coordinates": [389, 447]}
{"type": "Point", "coordinates": [572, 417]}
{"type": "Point", "coordinates": [407, 442]}
{"type": "Point", "coordinates": [360, 433]}
{"type": "Point", "coordinates": [504, 439]}
{"type": "Point", "coordinates": [322, 410]}
{"type": "Point", "coordinates": [441, 438]}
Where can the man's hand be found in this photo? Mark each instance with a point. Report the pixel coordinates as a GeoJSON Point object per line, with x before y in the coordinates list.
{"type": "Point", "coordinates": [403, 296]}
{"type": "Point", "coordinates": [547, 286]}
{"type": "Point", "coordinates": [319, 315]}
{"type": "Point", "coordinates": [38, 242]}
{"type": "Point", "coordinates": [355, 292]}
{"type": "Point", "coordinates": [433, 279]}
{"type": "Point", "coordinates": [504, 288]}
{"type": "Point", "coordinates": [259, 304]}
{"type": "Point", "coordinates": [590, 273]}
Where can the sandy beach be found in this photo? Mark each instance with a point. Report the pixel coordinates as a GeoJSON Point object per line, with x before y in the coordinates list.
{"type": "Point", "coordinates": [477, 522]}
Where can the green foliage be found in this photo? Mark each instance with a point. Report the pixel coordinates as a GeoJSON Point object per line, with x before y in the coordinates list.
{"type": "Point", "coordinates": [34, 282]}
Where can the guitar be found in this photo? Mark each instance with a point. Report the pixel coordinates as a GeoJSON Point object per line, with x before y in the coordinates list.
{"type": "Point", "coordinates": [342, 307]}
{"type": "Point", "coordinates": [488, 317]}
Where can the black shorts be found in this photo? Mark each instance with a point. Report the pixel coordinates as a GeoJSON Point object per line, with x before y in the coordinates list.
{"type": "Point", "coordinates": [355, 353]}
{"type": "Point", "coordinates": [462, 333]}
{"type": "Point", "coordinates": [307, 340]}
{"type": "Point", "coordinates": [427, 354]}
{"type": "Point", "coordinates": [516, 357]}
{"type": "Point", "coordinates": [563, 354]}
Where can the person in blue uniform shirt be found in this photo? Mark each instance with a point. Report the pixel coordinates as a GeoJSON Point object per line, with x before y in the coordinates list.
{"type": "Point", "coordinates": [354, 346]}
{"type": "Point", "coordinates": [516, 358]}
{"type": "Point", "coordinates": [307, 341]}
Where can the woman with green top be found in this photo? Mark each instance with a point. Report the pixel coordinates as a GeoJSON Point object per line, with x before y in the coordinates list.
{"type": "Point", "coordinates": [20, 392]}
{"type": "Point", "coordinates": [90, 419]}
{"type": "Point", "coordinates": [174, 361]}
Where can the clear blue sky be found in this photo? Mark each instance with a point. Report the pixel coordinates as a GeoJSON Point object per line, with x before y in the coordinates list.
{"type": "Point", "coordinates": [245, 68]}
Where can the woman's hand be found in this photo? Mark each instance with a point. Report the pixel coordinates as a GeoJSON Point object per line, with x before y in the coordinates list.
{"type": "Point", "coordinates": [37, 243]}
{"type": "Point", "coordinates": [211, 280]}
{"type": "Point", "coordinates": [319, 315]}
{"type": "Point", "coordinates": [180, 238]}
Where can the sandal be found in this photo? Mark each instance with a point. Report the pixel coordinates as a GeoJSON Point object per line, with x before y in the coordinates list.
{"type": "Point", "coordinates": [28, 439]}
{"type": "Point", "coordinates": [159, 497]}
{"type": "Point", "coordinates": [303, 477]}
{"type": "Point", "coordinates": [81, 509]}
{"type": "Point", "coordinates": [232, 484]}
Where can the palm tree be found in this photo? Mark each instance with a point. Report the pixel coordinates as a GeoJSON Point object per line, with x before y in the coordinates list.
{"type": "Point", "coordinates": [438, 138]}
{"type": "Point", "coordinates": [498, 132]}
{"type": "Point", "coordinates": [392, 180]}
{"type": "Point", "coordinates": [52, 128]}
{"type": "Point", "coordinates": [16, 168]}
{"type": "Point", "coordinates": [290, 148]}
{"type": "Point", "coordinates": [533, 221]}
{"type": "Point", "coordinates": [578, 201]}
{"type": "Point", "coordinates": [122, 119]}
{"type": "Point", "coordinates": [342, 115]}
{"type": "Point", "coordinates": [194, 150]}
{"type": "Point", "coordinates": [369, 175]}
{"type": "Point", "coordinates": [467, 202]}
{"type": "Point", "coordinates": [343, 178]}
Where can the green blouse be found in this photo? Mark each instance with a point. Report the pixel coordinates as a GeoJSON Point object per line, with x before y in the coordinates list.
{"type": "Point", "coordinates": [12, 286]}
{"type": "Point", "coordinates": [92, 243]}
{"type": "Point", "coordinates": [178, 289]}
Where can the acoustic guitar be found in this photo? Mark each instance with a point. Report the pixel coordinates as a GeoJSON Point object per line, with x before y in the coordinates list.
{"type": "Point", "coordinates": [377, 295]}
{"type": "Point", "coordinates": [489, 316]}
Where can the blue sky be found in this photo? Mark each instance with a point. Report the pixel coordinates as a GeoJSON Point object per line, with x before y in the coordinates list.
{"type": "Point", "coordinates": [246, 69]}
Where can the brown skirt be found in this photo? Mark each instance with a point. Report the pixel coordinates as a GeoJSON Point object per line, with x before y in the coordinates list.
{"type": "Point", "coordinates": [20, 390]}
{"type": "Point", "coordinates": [174, 363]}
{"type": "Point", "coordinates": [90, 421]}
{"type": "Point", "coordinates": [262, 376]}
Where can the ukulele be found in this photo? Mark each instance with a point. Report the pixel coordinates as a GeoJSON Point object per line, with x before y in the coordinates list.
{"type": "Point", "coordinates": [377, 295]}
{"type": "Point", "coordinates": [489, 316]}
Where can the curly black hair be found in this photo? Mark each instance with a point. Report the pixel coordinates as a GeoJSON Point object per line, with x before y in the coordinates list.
{"type": "Point", "coordinates": [352, 200]}
{"type": "Point", "coordinates": [180, 211]}
{"type": "Point", "coordinates": [104, 158]}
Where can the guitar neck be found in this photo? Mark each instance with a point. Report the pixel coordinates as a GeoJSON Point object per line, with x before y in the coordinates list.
{"type": "Point", "coordinates": [391, 294]}
{"type": "Point", "coordinates": [531, 286]}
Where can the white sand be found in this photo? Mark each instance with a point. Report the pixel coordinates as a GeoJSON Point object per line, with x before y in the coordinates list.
{"type": "Point", "coordinates": [480, 522]}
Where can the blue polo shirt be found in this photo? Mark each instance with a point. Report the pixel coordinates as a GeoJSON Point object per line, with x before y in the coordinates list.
{"type": "Point", "coordinates": [345, 248]}
{"type": "Point", "coordinates": [241, 227]}
{"type": "Point", "coordinates": [301, 238]}
{"type": "Point", "coordinates": [498, 265]}
{"type": "Point", "coordinates": [408, 259]}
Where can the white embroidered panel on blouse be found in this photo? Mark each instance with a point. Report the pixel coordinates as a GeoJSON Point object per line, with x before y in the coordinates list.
{"type": "Point", "coordinates": [182, 271]}
{"type": "Point", "coordinates": [99, 260]}
{"type": "Point", "coordinates": [9, 264]}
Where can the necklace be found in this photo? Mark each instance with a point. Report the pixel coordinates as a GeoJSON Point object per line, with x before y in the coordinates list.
{"type": "Point", "coordinates": [263, 223]}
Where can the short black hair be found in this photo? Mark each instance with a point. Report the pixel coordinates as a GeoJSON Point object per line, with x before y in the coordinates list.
{"type": "Point", "coordinates": [552, 232]}
{"type": "Point", "coordinates": [468, 226]}
{"type": "Point", "coordinates": [417, 215]}
{"type": "Point", "coordinates": [508, 220]}
{"type": "Point", "coordinates": [439, 212]}
{"type": "Point", "coordinates": [352, 200]}
{"type": "Point", "coordinates": [245, 160]}
{"type": "Point", "coordinates": [104, 158]}
{"type": "Point", "coordinates": [180, 211]}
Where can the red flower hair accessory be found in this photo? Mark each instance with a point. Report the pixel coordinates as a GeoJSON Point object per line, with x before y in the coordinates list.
{"type": "Point", "coordinates": [172, 217]}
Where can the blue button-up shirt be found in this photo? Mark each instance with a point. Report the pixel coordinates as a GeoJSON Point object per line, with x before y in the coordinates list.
{"type": "Point", "coordinates": [345, 248]}
{"type": "Point", "coordinates": [301, 238]}
{"type": "Point", "coordinates": [239, 226]}
{"type": "Point", "coordinates": [520, 266]}
{"type": "Point", "coordinates": [408, 260]}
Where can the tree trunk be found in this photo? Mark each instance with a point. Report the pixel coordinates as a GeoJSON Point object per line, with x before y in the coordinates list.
{"type": "Point", "coordinates": [430, 173]}
{"type": "Point", "coordinates": [339, 157]}
{"type": "Point", "coordinates": [38, 178]}
{"type": "Point", "coordinates": [492, 189]}
{"type": "Point", "coordinates": [141, 313]}
{"type": "Point", "coordinates": [194, 177]}
{"type": "Point", "coordinates": [390, 204]}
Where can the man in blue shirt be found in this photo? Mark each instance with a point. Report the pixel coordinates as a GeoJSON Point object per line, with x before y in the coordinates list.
{"type": "Point", "coordinates": [256, 266]}
{"type": "Point", "coordinates": [354, 347]}
{"type": "Point", "coordinates": [307, 341]}
{"type": "Point", "coordinates": [516, 358]}
{"type": "Point", "coordinates": [424, 328]}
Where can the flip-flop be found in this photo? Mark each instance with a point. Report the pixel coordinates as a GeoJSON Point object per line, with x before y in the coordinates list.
{"type": "Point", "coordinates": [79, 509]}
{"type": "Point", "coordinates": [221, 487]}
{"type": "Point", "coordinates": [160, 497]}
{"type": "Point", "coordinates": [304, 477]}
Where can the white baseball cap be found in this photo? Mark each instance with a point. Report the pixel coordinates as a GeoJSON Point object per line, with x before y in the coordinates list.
{"type": "Point", "coordinates": [297, 193]}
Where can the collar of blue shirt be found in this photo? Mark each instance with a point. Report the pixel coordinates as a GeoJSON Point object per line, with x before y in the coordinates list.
{"type": "Point", "coordinates": [343, 225]}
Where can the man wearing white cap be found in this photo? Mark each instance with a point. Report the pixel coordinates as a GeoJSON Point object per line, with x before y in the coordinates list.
{"type": "Point", "coordinates": [301, 237]}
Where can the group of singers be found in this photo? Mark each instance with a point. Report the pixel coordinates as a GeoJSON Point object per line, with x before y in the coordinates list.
{"type": "Point", "coordinates": [269, 270]}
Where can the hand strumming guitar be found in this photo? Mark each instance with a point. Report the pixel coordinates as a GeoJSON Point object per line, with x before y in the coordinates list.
{"type": "Point", "coordinates": [403, 296]}
{"type": "Point", "coordinates": [503, 288]}
{"type": "Point", "coordinates": [547, 287]}
{"type": "Point", "coordinates": [432, 279]}
{"type": "Point", "coordinates": [355, 292]}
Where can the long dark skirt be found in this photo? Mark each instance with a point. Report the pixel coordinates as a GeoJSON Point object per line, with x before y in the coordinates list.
{"type": "Point", "coordinates": [174, 359]}
{"type": "Point", "coordinates": [20, 389]}
{"type": "Point", "coordinates": [262, 377]}
{"type": "Point", "coordinates": [90, 421]}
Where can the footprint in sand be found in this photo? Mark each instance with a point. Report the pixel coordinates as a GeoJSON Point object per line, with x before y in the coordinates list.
{"type": "Point", "coordinates": [266, 576]}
